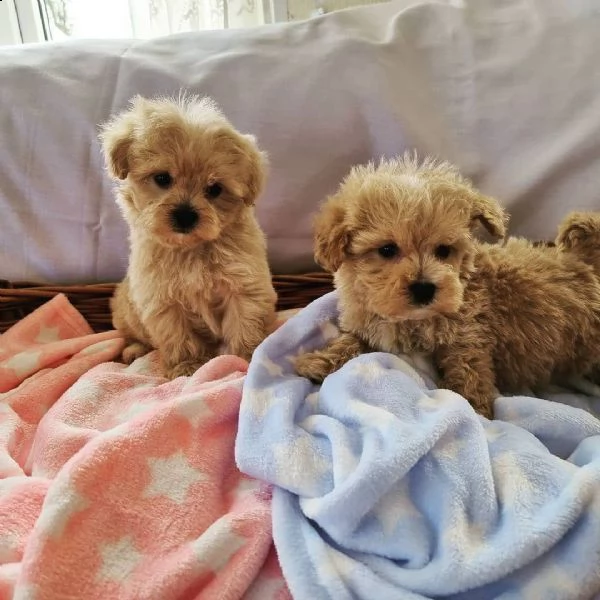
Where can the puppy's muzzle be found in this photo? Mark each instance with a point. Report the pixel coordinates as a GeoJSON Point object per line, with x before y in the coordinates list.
{"type": "Point", "coordinates": [184, 218]}
{"type": "Point", "coordinates": [422, 292]}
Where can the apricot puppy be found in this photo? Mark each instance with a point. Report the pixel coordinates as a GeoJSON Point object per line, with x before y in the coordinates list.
{"type": "Point", "coordinates": [412, 277]}
{"type": "Point", "coordinates": [198, 276]}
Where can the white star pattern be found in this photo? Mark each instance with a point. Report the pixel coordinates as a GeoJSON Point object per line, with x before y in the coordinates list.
{"type": "Point", "coordinates": [344, 461]}
{"type": "Point", "coordinates": [140, 366]}
{"type": "Point", "coordinates": [8, 466]}
{"type": "Point", "coordinates": [8, 422]}
{"type": "Point", "coordinates": [408, 368]}
{"type": "Point", "coordinates": [493, 433]}
{"type": "Point", "coordinates": [272, 368]}
{"type": "Point", "coordinates": [135, 410]}
{"type": "Point", "coordinates": [48, 335]}
{"type": "Point", "coordinates": [9, 543]}
{"type": "Point", "coordinates": [8, 484]}
{"type": "Point", "coordinates": [24, 363]}
{"type": "Point", "coordinates": [291, 358]}
{"type": "Point", "coordinates": [434, 400]}
{"type": "Point", "coordinates": [553, 581]}
{"type": "Point", "coordinates": [329, 331]}
{"type": "Point", "coordinates": [466, 539]}
{"type": "Point", "coordinates": [119, 560]}
{"type": "Point", "coordinates": [395, 506]}
{"type": "Point", "coordinates": [101, 346]}
{"type": "Point", "coordinates": [87, 390]}
{"type": "Point", "coordinates": [334, 566]}
{"type": "Point", "coordinates": [62, 502]}
{"type": "Point", "coordinates": [371, 416]}
{"type": "Point", "coordinates": [427, 402]}
{"type": "Point", "coordinates": [369, 371]}
{"type": "Point", "coordinates": [514, 487]}
{"type": "Point", "coordinates": [261, 401]}
{"type": "Point", "coordinates": [245, 487]}
{"type": "Point", "coordinates": [508, 412]}
{"type": "Point", "coordinates": [194, 409]}
{"type": "Point", "coordinates": [422, 365]}
{"type": "Point", "coordinates": [448, 449]}
{"type": "Point", "coordinates": [585, 480]}
{"type": "Point", "coordinates": [25, 591]}
{"type": "Point", "coordinates": [83, 402]}
{"type": "Point", "coordinates": [299, 465]}
{"type": "Point", "coordinates": [312, 401]}
{"type": "Point", "coordinates": [217, 545]}
{"type": "Point", "coordinates": [172, 477]}
{"type": "Point", "coordinates": [264, 587]}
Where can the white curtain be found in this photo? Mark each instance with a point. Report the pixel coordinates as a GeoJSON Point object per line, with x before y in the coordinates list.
{"type": "Point", "coordinates": [161, 17]}
{"type": "Point", "coordinates": [148, 18]}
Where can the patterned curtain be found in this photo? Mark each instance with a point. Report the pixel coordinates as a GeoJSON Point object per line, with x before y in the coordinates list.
{"type": "Point", "coordinates": [148, 18]}
{"type": "Point", "coordinates": [161, 17]}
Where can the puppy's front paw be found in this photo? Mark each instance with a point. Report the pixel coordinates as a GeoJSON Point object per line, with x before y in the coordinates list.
{"type": "Point", "coordinates": [314, 366]}
{"type": "Point", "coordinates": [183, 369]}
{"type": "Point", "coordinates": [134, 351]}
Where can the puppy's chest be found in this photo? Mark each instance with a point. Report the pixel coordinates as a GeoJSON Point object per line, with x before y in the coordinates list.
{"type": "Point", "coordinates": [411, 336]}
{"type": "Point", "coordinates": [198, 292]}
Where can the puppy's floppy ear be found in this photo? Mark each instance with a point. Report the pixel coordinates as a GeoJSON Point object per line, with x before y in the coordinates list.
{"type": "Point", "coordinates": [578, 228]}
{"type": "Point", "coordinates": [489, 213]}
{"type": "Point", "coordinates": [116, 137]}
{"type": "Point", "coordinates": [256, 169]}
{"type": "Point", "coordinates": [331, 234]}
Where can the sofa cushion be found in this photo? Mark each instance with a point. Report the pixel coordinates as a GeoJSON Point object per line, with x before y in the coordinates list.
{"type": "Point", "coordinates": [509, 91]}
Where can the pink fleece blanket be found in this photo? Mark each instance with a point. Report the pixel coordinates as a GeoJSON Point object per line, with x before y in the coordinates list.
{"type": "Point", "coordinates": [115, 483]}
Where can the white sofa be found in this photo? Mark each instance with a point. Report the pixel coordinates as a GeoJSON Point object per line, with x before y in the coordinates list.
{"type": "Point", "coordinates": [509, 90]}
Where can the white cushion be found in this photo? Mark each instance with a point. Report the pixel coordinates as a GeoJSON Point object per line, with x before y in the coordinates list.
{"type": "Point", "coordinates": [510, 91]}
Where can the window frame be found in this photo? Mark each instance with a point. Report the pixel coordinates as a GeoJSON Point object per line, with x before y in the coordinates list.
{"type": "Point", "coordinates": [21, 22]}
{"type": "Point", "coordinates": [31, 23]}
{"type": "Point", "coordinates": [10, 32]}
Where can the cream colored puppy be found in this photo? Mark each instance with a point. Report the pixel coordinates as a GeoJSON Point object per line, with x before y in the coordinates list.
{"type": "Point", "coordinates": [198, 275]}
{"type": "Point", "coordinates": [412, 277]}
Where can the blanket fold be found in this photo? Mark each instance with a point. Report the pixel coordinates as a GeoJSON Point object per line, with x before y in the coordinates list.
{"type": "Point", "coordinates": [389, 488]}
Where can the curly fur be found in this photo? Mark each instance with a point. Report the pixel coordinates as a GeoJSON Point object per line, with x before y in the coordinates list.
{"type": "Point", "coordinates": [188, 293]}
{"type": "Point", "coordinates": [506, 316]}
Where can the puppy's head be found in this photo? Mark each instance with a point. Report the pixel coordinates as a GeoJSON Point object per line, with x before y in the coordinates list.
{"type": "Point", "coordinates": [185, 173]}
{"type": "Point", "coordinates": [579, 236]}
{"type": "Point", "coordinates": [400, 237]}
{"type": "Point", "coordinates": [579, 230]}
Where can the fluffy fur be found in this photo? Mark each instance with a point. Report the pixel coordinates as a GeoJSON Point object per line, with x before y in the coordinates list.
{"type": "Point", "coordinates": [198, 275]}
{"type": "Point", "coordinates": [511, 316]}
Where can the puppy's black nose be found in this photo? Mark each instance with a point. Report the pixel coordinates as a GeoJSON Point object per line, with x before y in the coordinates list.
{"type": "Point", "coordinates": [184, 218]}
{"type": "Point", "coordinates": [422, 292]}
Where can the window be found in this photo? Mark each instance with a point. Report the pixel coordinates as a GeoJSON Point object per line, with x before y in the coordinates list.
{"type": "Point", "coordinates": [39, 20]}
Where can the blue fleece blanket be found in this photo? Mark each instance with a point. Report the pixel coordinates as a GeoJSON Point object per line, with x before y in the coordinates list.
{"type": "Point", "coordinates": [388, 488]}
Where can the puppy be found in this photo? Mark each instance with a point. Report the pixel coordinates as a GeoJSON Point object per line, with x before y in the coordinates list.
{"type": "Point", "coordinates": [198, 275]}
{"type": "Point", "coordinates": [412, 277]}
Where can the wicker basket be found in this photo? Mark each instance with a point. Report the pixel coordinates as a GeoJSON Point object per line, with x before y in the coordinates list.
{"type": "Point", "coordinates": [18, 299]}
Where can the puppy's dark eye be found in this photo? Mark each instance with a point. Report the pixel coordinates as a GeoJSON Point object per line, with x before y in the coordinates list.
{"type": "Point", "coordinates": [443, 251]}
{"type": "Point", "coordinates": [388, 251]}
{"type": "Point", "coordinates": [214, 190]}
{"type": "Point", "coordinates": [162, 180]}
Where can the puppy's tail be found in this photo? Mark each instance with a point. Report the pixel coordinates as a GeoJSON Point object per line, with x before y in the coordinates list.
{"type": "Point", "coordinates": [579, 235]}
